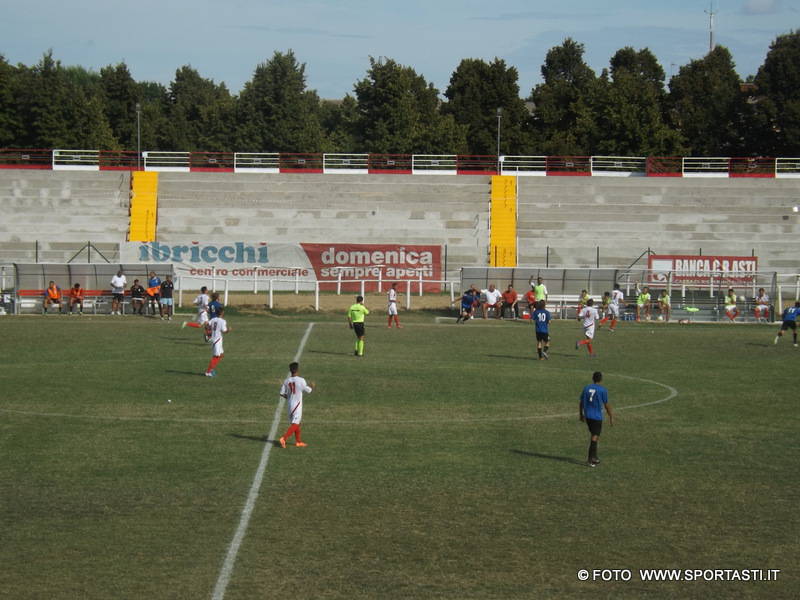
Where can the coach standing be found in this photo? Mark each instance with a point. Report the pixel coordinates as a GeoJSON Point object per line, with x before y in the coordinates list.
{"type": "Point", "coordinates": [593, 398]}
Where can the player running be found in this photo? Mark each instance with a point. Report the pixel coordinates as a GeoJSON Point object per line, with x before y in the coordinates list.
{"type": "Point", "coordinates": [201, 302]}
{"type": "Point", "coordinates": [541, 319]}
{"type": "Point", "coordinates": [391, 310]}
{"type": "Point", "coordinates": [789, 322]}
{"type": "Point", "coordinates": [589, 315]}
{"type": "Point", "coordinates": [467, 307]}
{"type": "Point", "coordinates": [617, 301]}
{"type": "Point", "coordinates": [356, 315]}
{"type": "Point", "coordinates": [292, 390]}
{"type": "Point", "coordinates": [218, 326]}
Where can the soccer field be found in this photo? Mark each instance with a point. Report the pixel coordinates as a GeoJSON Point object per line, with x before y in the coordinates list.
{"type": "Point", "coordinates": [446, 463]}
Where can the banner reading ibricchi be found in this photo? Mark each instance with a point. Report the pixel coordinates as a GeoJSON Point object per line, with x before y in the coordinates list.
{"type": "Point", "coordinates": [698, 269]}
{"type": "Point", "coordinates": [241, 262]}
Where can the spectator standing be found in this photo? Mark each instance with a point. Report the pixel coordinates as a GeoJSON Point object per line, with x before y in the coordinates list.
{"type": "Point", "coordinates": [154, 293]}
{"type": "Point", "coordinates": [166, 297]}
{"type": "Point", "coordinates": [539, 289]}
{"type": "Point", "coordinates": [510, 300]}
{"type": "Point", "coordinates": [118, 284]}
{"type": "Point", "coordinates": [52, 295]}
{"type": "Point", "coordinates": [137, 298]}
{"type": "Point", "coordinates": [493, 301]}
{"type": "Point", "coordinates": [76, 294]}
{"type": "Point", "coordinates": [642, 302]}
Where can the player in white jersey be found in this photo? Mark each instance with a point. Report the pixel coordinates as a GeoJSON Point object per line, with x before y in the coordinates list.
{"type": "Point", "coordinates": [588, 316]}
{"type": "Point", "coordinates": [761, 308]}
{"type": "Point", "coordinates": [201, 320]}
{"type": "Point", "coordinates": [391, 297]}
{"type": "Point", "coordinates": [612, 312]}
{"type": "Point", "coordinates": [218, 325]}
{"type": "Point", "coordinates": [292, 389]}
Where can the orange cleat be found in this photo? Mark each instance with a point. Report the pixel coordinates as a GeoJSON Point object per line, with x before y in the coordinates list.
{"type": "Point", "coordinates": [301, 444]}
{"type": "Point", "coordinates": [282, 442]}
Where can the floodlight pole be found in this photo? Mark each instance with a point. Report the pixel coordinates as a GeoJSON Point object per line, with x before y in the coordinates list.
{"type": "Point", "coordinates": [138, 136]}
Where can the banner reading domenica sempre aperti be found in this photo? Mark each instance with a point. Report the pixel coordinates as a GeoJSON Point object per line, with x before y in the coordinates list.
{"type": "Point", "coordinates": [240, 262]}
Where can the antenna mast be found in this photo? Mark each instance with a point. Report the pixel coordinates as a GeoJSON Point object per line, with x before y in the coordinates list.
{"type": "Point", "coordinates": [710, 12]}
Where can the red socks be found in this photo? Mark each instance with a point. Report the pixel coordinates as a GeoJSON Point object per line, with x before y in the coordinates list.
{"type": "Point", "coordinates": [294, 428]}
{"type": "Point", "coordinates": [588, 343]}
{"type": "Point", "coordinates": [613, 323]}
{"type": "Point", "coordinates": [213, 363]}
{"type": "Point", "coordinates": [193, 324]}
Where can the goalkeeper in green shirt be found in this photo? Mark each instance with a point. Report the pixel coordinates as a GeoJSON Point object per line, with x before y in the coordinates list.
{"type": "Point", "coordinates": [355, 319]}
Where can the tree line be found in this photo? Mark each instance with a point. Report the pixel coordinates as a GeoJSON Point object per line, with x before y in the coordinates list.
{"type": "Point", "coordinates": [628, 110]}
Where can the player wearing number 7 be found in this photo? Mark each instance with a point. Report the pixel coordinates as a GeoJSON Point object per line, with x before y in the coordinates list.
{"type": "Point", "coordinates": [590, 409]}
{"type": "Point", "coordinates": [292, 390]}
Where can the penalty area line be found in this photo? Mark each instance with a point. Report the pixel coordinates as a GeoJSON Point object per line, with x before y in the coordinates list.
{"type": "Point", "coordinates": [247, 512]}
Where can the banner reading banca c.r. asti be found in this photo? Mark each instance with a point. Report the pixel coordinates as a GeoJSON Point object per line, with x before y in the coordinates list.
{"type": "Point", "coordinates": [241, 262]}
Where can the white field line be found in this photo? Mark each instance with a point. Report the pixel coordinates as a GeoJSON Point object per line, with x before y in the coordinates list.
{"type": "Point", "coordinates": [230, 557]}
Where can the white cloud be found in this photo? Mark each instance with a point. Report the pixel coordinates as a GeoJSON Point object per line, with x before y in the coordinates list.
{"type": "Point", "coordinates": [760, 7]}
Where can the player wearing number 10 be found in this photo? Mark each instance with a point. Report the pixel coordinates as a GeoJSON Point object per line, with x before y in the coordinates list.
{"type": "Point", "coordinates": [593, 398]}
{"type": "Point", "coordinates": [541, 319]}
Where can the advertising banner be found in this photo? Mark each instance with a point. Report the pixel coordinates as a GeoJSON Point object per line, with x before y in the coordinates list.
{"type": "Point", "coordinates": [699, 269]}
{"type": "Point", "coordinates": [242, 262]}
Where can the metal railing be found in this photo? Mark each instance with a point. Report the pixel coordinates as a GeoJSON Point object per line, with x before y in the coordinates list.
{"type": "Point", "coordinates": [431, 164]}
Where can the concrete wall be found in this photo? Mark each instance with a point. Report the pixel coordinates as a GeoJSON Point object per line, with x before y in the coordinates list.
{"type": "Point", "coordinates": [571, 215]}
{"type": "Point", "coordinates": [62, 210]}
{"type": "Point", "coordinates": [625, 216]}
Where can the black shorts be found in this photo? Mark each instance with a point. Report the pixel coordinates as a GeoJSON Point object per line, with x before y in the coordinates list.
{"type": "Point", "coordinates": [595, 426]}
{"type": "Point", "coordinates": [542, 337]}
{"type": "Point", "coordinates": [118, 297]}
{"type": "Point", "coordinates": [358, 328]}
{"type": "Point", "coordinates": [789, 325]}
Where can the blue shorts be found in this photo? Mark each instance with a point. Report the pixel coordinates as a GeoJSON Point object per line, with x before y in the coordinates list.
{"type": "Point", "coordinates": [166, 301]}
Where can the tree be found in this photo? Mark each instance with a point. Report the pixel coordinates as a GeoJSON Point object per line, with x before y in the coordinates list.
{"type": "Point", "coordinates": [338, 121]}
{"type": "Point", "coordinates": [9, 121]}
{"type": "Point", "coordinates": [398, 112]}
{"type": "Point", "coordinates": [630, 108]}
{"type": "Point", "coordinates": [778, 105]}
{"type": "Point", "coordinates": [707, 105]}
{"type": "Point", "coordinates": [477, 89]}
{"type": "Point", "coordinates": [563, 121]}
{"type": "Point", "coordinates": [121, 94]}
{"type": "Point", "coordinates": [276, 112]}
{"type": "Point", "coordinates": [200, 113]}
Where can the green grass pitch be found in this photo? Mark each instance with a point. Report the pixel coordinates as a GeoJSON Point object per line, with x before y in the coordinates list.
{"type": "Point", "coordinates": [446, 463]}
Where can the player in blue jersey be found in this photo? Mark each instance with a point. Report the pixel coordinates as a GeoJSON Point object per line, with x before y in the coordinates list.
{"type": "Point", "coordinates": [541, 319]}
{"type": "Point", "coordinates": [467, 306]}
{"type": "Point", "coordinates": [790, 316]}
{"type": "Point", "coordinates": [593, 398]}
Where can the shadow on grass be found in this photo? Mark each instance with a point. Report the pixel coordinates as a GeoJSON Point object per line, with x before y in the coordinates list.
{"type": "Point", "coordinates": [193, 373]}
{"type": "Point", "coordinates": [758, 345]}
{"type": "Point", "coordinates": [253, 438]}
{"type": "Point", "coordinates": [331, 353]}
{"type": "Point", "coordinates": [566, 459]}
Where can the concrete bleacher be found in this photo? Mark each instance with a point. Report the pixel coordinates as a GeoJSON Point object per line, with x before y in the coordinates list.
{"type": "Point", "coordinates": [625, 216]}
{"type": "Point", "coordinates": [572, 215]}
{"type": "Point", "coordinates": [316, 208]}
{"type": "Point", "coordinates": [62, 211]}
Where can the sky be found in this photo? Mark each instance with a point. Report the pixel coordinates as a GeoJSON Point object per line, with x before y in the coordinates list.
{"type": "Point", "coordinates": [226, 39]}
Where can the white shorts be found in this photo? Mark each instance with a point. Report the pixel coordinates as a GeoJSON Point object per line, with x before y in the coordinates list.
{"type": "Point", "coordinates": [761, 308]}
{"type": "Point", "coordinates": [295, 413]}
{"type": "Point", "coordinates": [613, 310]}
{"type": "Point", "coordinates": [730, 307]}
{"type": "Point", "coordinates": [392, 310]}
{"type": "Point", "coordinates": [589, 331]}
{"type": "Point", "coordinates": [202, 317]}
{"type": "Point", "coordinates": [216, 348]}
